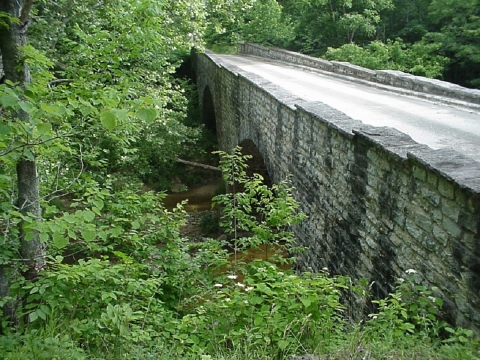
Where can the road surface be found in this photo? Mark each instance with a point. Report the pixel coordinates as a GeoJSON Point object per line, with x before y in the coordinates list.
{"type": "Point", "coordinates": [428, 122]}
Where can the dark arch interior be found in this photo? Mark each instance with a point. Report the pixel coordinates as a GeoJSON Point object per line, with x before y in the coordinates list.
{"type": "Point", "coordinates": [256, 164]}
{"type": "Point", "coordinates": [209, 111]}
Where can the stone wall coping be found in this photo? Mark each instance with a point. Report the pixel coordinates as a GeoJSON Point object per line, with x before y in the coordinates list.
{"type": "Point", "coordinates": [451, 165]}
{"type": "Point", "coordinates": [396, 79]}
{"type": "Point", "coordinates": [281, 95]}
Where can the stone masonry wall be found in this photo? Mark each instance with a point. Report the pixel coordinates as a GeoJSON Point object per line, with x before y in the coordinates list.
{"type": "Point", "coordinates": [377, 202]}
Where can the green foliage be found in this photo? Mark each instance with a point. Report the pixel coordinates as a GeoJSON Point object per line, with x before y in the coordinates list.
{"type": "Point", "coordinates": [257, 311]}
{"type": "Point", "coordinates": [150, 294]}
{"type": "Point", "coordinates": [261, 21]}
{"type": "Point", "coordinates": [320, 24]}
{"type": "Point", "coordinates": [418, 59]}
{"type": "Point", "coordinates": [410, 310]}
{"type": "Point", "coordinates": [266, 212]}
{"type": "Point", "coordinates": [6, 20]}
{"type": "Point", "coordinates": [456, 25]}
{"type": "Point", "coordinates": [209, 222]}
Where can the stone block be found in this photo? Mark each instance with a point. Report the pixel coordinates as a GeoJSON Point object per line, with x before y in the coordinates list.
{"type": "Point", "coordinates": [452, 228]}
{"type": "Point", "coordinates": [423, 220]}
{"type": "Point", "coordinates": [446, 188]}
{"type": "Point", "coordinates": [450, 209]}
{"type": "Point", "coordinates": [440, 235]}
{"type": "Point", "coordinates": [419, 173]}
{"type": "Point", "coordinates": [431, 196]}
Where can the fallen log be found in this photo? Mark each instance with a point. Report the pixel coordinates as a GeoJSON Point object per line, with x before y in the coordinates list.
{"type": "Point", "coordinates": [208, 167]}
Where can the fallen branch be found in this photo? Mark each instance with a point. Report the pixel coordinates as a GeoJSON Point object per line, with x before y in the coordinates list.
{"type": "Point", "coordinates": [208, 167]}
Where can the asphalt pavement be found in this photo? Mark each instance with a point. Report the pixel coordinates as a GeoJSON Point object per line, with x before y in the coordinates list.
{"type": "Point", "coordinates": [427, 121]}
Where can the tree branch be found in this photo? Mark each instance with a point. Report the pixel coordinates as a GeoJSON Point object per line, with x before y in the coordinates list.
{"type": "Point", "coordinates": [25, 12]}
{"type": "Point", "coordinates": [59, 81]}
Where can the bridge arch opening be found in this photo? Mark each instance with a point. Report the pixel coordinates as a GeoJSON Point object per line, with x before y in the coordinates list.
{"type": "Point", "coordinates": [208, 114]}
{"type": "Point", "coordinates": [256, 164]}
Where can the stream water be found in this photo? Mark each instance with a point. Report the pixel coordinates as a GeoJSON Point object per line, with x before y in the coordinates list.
{"type": "Point", "coordinates": [200, 199]}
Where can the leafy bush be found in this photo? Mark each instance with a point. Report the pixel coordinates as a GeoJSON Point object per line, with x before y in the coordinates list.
{"type": "Point", "coordinates": [209, 222]}
{"type": "Point", "coordinates": [419, 59]}
{"type": "Point", "coordinates": [270, 309]}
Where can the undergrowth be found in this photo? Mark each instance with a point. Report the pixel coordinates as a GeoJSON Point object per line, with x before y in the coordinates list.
{"type": "Point", "coordinates": [144, 292]}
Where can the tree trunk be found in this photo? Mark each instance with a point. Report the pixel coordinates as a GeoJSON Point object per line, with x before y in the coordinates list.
{"type": "Point", "coordinates": [16, 70]}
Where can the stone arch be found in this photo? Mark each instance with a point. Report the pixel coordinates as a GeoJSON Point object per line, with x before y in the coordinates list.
{"type": "Point", "coordinates": [257, 163]}
{"type": "Point", "coordinates": [208, 113]}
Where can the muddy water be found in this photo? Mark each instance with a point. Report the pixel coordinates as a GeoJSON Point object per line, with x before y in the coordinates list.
{"type": "Point", "coordinates": [199, 197]}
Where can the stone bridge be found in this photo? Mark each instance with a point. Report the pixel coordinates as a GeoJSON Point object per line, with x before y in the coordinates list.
{"type": "Point", "coordinates": [378, 203]}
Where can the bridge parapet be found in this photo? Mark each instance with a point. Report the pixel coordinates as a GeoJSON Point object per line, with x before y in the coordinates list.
{"type": "Point", "coordinates": [397, 79]}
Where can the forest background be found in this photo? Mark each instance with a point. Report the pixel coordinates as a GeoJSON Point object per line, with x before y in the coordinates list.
{"type": "Point", "coordinates": [94, 103]}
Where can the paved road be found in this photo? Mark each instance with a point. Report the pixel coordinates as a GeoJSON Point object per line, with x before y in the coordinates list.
{"type": "Point", "coordinates": [427, 122]}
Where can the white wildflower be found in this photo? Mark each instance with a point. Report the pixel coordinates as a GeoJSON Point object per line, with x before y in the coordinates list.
{"type": "Point", "coordinates": [218, 285]}
{"type": "Point", "coordinates": [248, 288]}
{"type": "Point", "coordinates": [240, 284]}
{"type": "Point", "coordinates": [411, 271]}
{"type": "Point", "coordinates": [233, 277]}
{"type": "Point", "coordinates": [227, 299]}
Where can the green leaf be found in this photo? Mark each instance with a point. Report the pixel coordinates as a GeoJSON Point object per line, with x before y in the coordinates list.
{"type": "Point", "coordinates": [45, 309]}
{"type": "Point", "coordinates": [462, 339]}
{"type": "Point", "coordinates": [99, 204]}
{"type": "Point", "coordinates": [88, 235]}
{"type": "Point", "coordinates": [59, 241]}
{"type": "Point", "coordinates": [306, 302]}
{"type": "Point", "coordinates": [120, 114]}
{"type": "Point", "coordinates": [108, 119]}
{"type": "Point", "coordinates": [282, 344]}
{"type": "Point", "coordinates": [30, 94]}
{"type": "Point", "coordinates": [41, 314]}
{"type": "Point", "coordinates": [88, 215]}
{"type": "Point", "coordinates": [69, 218]}
{"type": "Point", "coordinates": [33, 316]}
{"type": "Point", "coordinates": [29, 155]}
{"type": "Point", "coordinates": [116, 231]}
{"type": "Point", "coordinates": [8, 101]}
{"type": "Point", "coordinates": [147, 115]}
{"type": "Point", "coordinates": [43, 237]}
{"type": "Point", "coordinates": [26, 106]}
{"type": "Point", "coordinates": [5, 129]}
{"type": "Point", "coordinates": [85, 110]}
{"type": "Point", "coordinates": [44, 128]}
{"type": "Point", "coordinates": [53, 109]}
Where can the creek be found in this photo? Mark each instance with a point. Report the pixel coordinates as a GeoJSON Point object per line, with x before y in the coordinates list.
{"type": "Point", "coordinates": [199, 197]}
{"type": "Point", "coordinates": [199, 200]}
